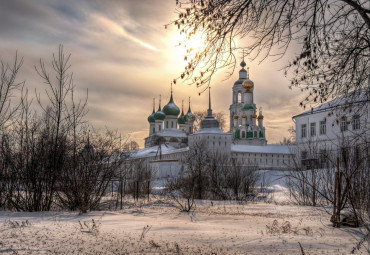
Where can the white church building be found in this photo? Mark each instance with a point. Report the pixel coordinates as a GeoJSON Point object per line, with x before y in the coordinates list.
{"type": "Point", "coordinates": [171, 134]}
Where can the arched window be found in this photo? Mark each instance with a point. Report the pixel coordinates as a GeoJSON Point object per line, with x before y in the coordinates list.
{"type": "Point", "coordinates": [239, 97]}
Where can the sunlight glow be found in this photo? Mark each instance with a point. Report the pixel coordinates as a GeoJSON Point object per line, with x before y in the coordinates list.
{"type": "Point", "coordinates": [115, 28]}
{"type": "Point", "coordinates": [196, 43]}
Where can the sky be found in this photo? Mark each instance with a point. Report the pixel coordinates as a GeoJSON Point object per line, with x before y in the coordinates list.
{"type": "Point", "coordinates": [122, 53]}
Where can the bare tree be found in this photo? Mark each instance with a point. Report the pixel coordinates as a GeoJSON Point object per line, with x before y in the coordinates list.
{"type": "Point", "coordinates": [63, 115]}
{"type": "Point", "coordinates": [8, 85]}
{"type": "Point", "coordinates": [337, 176]}
{"type": "Point", "coordinates": [85, 177]}
{"type": "Point", "coordinates": [333, 37]}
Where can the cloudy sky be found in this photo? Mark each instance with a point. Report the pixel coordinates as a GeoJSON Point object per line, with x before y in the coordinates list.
{"type": "Point", "coordinates": [124, 56]}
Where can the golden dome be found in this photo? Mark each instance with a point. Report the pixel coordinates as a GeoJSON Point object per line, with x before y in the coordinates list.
{"type": "Point", "coordinates": [235, 117]}
{"type": "Point", "coordinates": [244, 116]}
{"type": "Point", "coordinates": [260, 117]}
{"type": "Point", "coordinates": [248, 84]}
{"type": "Point", "coordinates": [254, 115]}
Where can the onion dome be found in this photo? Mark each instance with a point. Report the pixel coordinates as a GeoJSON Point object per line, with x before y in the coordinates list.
{"type": "Point", "coordinates": [243, 64]}
{"type": "Point", "coordinates": [248, 84]}
{"type": "Point", "coordinates": [182, 118]}
{"type": "Point", "coordinates": [235, 117]}
{"type": "Point", "coordinates": [171, 108]}
{"type": "Point", "coordinates": [159, 115]}
{"type": "Point", "coordinates": [254, 115]}
{"type": "Point", "coordinates": [189, 117]}
{"type": "Point", "coordinates": [151, 118]}
{"type": "Point", "coordinates": [244, 116]}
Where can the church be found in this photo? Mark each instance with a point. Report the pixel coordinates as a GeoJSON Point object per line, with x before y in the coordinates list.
{"type": "Point", "coordinates": [171, 134]}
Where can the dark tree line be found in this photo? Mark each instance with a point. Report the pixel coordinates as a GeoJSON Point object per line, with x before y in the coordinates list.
{"type": "Point", "coordinates": [51, 158]}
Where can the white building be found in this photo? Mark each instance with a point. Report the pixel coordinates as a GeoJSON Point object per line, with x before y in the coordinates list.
{"type": "Point", "coordinates": [339, 125]}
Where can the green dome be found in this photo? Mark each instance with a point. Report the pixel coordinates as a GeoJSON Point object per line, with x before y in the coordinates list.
{"type": "Point", "coordinates": [159, 115]}
{"type": "Point", "coordinates": [248, 107]}
{"type": "Point", "coordinates": [151, 118]}
{"type": "Point", "coordinates": [171, 108]}
{"type": "Point", "coordinates": [182, 118]}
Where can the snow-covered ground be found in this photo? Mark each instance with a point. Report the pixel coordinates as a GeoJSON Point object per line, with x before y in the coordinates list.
{"type": "Point", "coordinates": [224, 228]}
{"type": "Point", "coordinates": [158, 227]}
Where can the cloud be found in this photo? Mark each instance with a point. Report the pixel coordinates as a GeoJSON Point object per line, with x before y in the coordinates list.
{"type": "Point", "coordinates": [116, 29]}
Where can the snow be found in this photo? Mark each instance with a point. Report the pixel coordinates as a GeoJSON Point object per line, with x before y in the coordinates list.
{"type": "Point", "coordinates": [221, 228]}
{"type": "Point", "coordinates": [158, 227]}
{"type": "Point", "coordinates": [353, 97]}
{"type": "Point", "coordinates": [270, 148]}
{"type": "Point", "coordinates": [210, 131]}
{"type": "Point", "coordinates": [152, 151]}
{"type": "Point", "coordinates": [172, 132]}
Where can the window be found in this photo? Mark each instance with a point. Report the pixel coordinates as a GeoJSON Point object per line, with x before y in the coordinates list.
{"type": "Point", "coordinates": [323, 127]}
{"type": "Point", "coordinates": [153, 130]}
{"type": "Point", "coordinates": [171, 124]}
{"type": "Point", "coordinates": [313, 129]}
{"type": "Point", "coordinates": [159, 127]}
{"type": "Point", "coordinates": [303, 130]}
{"type": "Point", "coordinates": [255, 134]}
{"type": "Point", "coordinates": [239, 97]}
{"type": "Point", "coordinates": [243, 134]}
{"type": "Point", "coordinates": [166, 124]}
{"type": "Point", "coordinates": [356, 122]}
{"type": "Point", "coordinates": [343, 124]}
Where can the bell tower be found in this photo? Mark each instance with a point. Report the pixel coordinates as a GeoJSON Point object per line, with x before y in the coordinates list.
{"type": "Point", "coordinates": [243, 112]}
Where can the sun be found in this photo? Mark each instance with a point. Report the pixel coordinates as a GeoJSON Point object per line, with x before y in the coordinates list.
{"type": "Point", "coordinates": [185, 48]}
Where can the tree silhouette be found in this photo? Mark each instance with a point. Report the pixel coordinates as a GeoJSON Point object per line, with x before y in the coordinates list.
{"type": "Point", "coordinates": [333, 36]}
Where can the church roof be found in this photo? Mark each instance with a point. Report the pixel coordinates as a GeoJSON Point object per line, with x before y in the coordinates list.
{"type": "Point", "coordinates": [271, 148]}
{"type": "Point", "coordinates": [152, 151]}
{"type": "Point", "coordinates": [352, 98]}
{"type": "Point", "coordinates": [210, 131]}
{"type": "Point", "coordinates": [171, 132]}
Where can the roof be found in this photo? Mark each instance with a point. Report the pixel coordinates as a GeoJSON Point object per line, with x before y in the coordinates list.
{"type": "Point", "coordinates": [210, 131]}
{"type": "Point", "coordinates": [152, 151]}
{"type": "Point", "coordinates": [171, 132]}
{"type": "Point", "coordinates": [271, 148]}
{"type": "Point", "coordinates": [354, 97]}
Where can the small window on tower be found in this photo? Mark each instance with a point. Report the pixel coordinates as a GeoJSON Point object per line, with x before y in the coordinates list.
{"type": "Point", "coordinates": [239, 97]}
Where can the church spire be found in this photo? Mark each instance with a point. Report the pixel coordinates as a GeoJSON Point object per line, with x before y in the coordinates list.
{"type": "Point", "coordinates": [189, 110]}
{"type": "Point", "coordinates": [171, 98]}
{"type": "Point", "coordinates": [159, 103]}
{"type": "Point", "coordinates": [243, 72]}
{"type": "Point", "coordinates": [153, 104]}
{"type": "Point", "coordinates": [209, 103]}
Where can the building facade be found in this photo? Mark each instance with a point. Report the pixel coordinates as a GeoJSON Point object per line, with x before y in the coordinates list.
{"type": "Point", "coordinates": [339, 128]}
{"type": "Point", "coordinates": [171, 134]}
